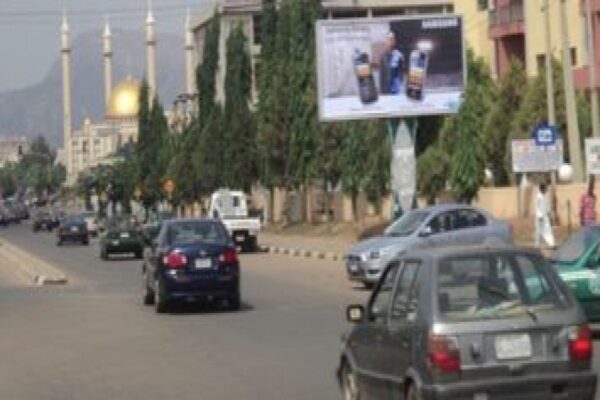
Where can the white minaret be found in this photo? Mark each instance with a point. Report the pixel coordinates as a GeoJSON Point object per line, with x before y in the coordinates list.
{"type": "Point", "coordinates": [67, 104]}
{"type": "Point", "coordinates": [151, 52]}
{"type": "Point", "coordinates": [107, 53]}
{"type": "Point", "coordinates": [189, 56]}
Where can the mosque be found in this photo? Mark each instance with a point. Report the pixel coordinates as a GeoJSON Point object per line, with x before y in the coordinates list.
{"type": "Point", "coordinates": [95, 143]}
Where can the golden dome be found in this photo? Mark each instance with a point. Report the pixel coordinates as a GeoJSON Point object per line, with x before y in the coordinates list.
{"type": "Point", "coordinates": [124, 100]}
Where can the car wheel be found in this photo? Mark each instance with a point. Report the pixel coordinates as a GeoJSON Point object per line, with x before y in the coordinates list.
{"type": "Point", "coordinates": [350, 389]}
{"type": "Point", "coordinates": [413, 393]}
{"type": "Point", "coordinates": [86, 242]}
{"type": "Point", "coordinates": [234, 303]}
{"type": "Point", "coordinates": [104, 254]}
{"type": "Point", "coordinates": [148, 296]}
{"type": "Point", "coordinates": [160, 301]}
{"type": "Point", "coordinates": [139, 255]}
{"type": "Point", "coordinates": [59, 242]}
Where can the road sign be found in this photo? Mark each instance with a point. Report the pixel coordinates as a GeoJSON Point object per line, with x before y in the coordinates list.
{"type": "Point", "coordinates": [592, 156]}
{"type": "Point", "coordinates": [169, 186]}
{"type": "Point", "coordinates": [545, 135]}
{"type": "Point", "coordinates": [527, 156]}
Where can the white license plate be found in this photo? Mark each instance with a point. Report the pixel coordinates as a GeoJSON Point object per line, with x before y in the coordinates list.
{"type": "Point", "coordinates": [74, 229]}
{"type": "Point", "coordinates": [353, 267]}
{"type": "Point", "coordinates": [240, 238]}
{"type": "Point", "coordinates": [510, 347]}
{"type": "Point", "coordinates": [203, 263]}
{"type": "Point", "coordinates": [115, 242]}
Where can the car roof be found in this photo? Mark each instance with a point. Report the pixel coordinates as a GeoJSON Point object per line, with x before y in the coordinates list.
{"type": "Point", "coordinates": [179, 220]}
{"type": "Point", "coordinates": [493, 247]}
{"type": "Point", "coordinates": [450, 207]}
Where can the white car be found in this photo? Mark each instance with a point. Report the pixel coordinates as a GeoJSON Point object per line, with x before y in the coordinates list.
{"type": "Point", "coordinates": [231, 207]}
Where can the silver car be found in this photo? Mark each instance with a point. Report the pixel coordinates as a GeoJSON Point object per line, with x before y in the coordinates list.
{"type": "Point", "coordinates": [441, 225]}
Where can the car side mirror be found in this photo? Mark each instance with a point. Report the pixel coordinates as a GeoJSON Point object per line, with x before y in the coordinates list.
{"type": "Point", "coordinates": [426, 231]}
{"type": "Point", "coordinates": [355, 313]}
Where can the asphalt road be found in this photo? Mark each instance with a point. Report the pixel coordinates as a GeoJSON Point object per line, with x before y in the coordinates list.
{"type": "Point", "coordinates": [93, 339]}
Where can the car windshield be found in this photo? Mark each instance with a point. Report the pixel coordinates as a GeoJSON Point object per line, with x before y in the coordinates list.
{"type": "Point", "coordinates": [577, 244]}
{"type": "Point", "coordinates": [73, 219]}
{"type": "Point", "coordinates": [495, 286]}
{"type": "Point", "coordinates": [407, 224]}
{"type": "Point", "coordinates": [192, 232]}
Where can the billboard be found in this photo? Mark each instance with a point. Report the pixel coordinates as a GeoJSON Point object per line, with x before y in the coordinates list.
{"type": "Point", "coordinates": [390, 67]}
{"type": "Point", "coordinates": [527, 156]}
{"type": "Point", "coordinates": [592, 156]}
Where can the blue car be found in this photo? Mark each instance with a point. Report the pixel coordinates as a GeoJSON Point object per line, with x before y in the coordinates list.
{"type": "Point", "coordinates": [191, 260]}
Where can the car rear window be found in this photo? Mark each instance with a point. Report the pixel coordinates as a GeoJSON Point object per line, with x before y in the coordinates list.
{"type": "Point", "coordinates": [495, 286]}
{"type": "Point", "coordinates": [190, 232]}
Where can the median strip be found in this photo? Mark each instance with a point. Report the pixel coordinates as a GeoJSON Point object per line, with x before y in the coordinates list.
{"type": "Point", "coordinates": [303, 253]}
{"type": "Point", "coordinates": [39, 271]}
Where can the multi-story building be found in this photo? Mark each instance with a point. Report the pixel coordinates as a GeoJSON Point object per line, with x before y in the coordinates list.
{"type": "Point", "coordinates": [247, 12]}
{"type": "Point", "coordinates": [517, 29]}
{"type": "Point", "coordinates": [11, 149]}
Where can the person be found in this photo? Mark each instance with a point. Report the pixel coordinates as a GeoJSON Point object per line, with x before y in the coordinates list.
{"type": "Point", "coordinates": [391, 67]}
{"type": "Point", "coordinates": [543, 225]}
{"type": "Point", "coordinates": [587, 205]}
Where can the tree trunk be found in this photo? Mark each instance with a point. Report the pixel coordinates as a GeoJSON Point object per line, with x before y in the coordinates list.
{"type": "Point", "coordinates": [355, 206]}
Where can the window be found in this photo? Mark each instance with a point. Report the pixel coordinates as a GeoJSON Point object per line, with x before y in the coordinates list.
{"type": "Point", "coordinates": [465, 219]}
{"type": "Point", "coordinates": [407, 224]}
{"type": "Point", "coordinates": [349, 14]}
{"type": "Point", "coordinates": [388, 12]}
{"type": "Point", "coordinates": [482, 5]}
{"type": "Point", "coordinates": [257, 28]}
{"type": "Point", "coordinates": [405, 303]}
{"type": "Point", "coordinates": [380, 301]}
{"type": "Point", "coordinates": [196, 232]}
{"type": "Point", "coordinates": [443, 222]}
{"type": "Point", "coordinates": [540, 62]}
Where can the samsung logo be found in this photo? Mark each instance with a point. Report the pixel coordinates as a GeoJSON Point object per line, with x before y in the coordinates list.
{"type": "Point", "coordinates": [440, 23]}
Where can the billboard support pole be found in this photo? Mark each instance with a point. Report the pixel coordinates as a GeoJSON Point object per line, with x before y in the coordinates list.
{"type": "Point", "coordinates": [403, 134]}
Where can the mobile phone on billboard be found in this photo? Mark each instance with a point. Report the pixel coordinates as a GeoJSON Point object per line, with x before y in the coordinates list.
{"type": "Point", "coordinates": [367, 91]}
{"type": "Point", "coordinates": [417, 73]}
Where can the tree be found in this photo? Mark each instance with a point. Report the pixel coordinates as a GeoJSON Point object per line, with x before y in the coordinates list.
{"type": "Point", "coordinates": [432, 172]}
{"type": "Point", "coordinates": [353, 153]}
{"type": "Point", "coordinates": [238, 142]}
{"type": "Point", "coordinates": [207, 70]}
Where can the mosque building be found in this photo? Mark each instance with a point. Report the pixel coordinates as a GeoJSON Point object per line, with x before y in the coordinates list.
{"type": "Point", "coordinates": [95, 143]}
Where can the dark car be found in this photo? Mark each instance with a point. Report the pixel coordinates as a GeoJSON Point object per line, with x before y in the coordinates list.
{"type": "Point", "coordinates": [121, 237]}
{"type": "Point", "coordinates": [43, 220]}
{"type": "Point", "coordinates": [72, 229]}
{"type": "Point", "coordinates": [468, 323]}
{"type": "Point", "coordinates": [191, 259]}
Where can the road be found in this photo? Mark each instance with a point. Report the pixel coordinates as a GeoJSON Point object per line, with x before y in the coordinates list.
{"type": "Point", "coordinates": [93, 339]}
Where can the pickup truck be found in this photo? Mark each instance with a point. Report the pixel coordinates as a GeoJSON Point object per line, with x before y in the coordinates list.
{"type": "Point", "coordinates": [231, 207]}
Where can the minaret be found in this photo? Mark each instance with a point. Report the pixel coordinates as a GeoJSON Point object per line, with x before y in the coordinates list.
{"type": "Point", "coordinates": [67, 105]}
{"type": "Point", "coordinates": [151, 52]}
{"type": "Point", "coordinates": [189, 56]}
{"type": "Point", "coordinates": [107, 54]}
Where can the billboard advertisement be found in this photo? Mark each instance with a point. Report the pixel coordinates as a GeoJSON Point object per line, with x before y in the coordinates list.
{"type": "Point", "coordinates": [390, 67]}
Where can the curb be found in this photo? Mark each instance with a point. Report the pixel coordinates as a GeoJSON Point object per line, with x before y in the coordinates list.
{"type": "Point", "coordinates": [40, 272]}
{"type": "Point", "coordinates": [304, 253]}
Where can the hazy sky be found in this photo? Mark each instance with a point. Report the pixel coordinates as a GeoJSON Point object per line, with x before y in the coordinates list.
{"type": "Point", "coordinates": [29, 29]}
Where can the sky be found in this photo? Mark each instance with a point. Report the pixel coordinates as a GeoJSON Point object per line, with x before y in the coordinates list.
{"type": "Point", "coordinates": [29, 29]}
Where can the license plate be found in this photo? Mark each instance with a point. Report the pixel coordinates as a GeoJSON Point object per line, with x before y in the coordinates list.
{"type": "Point", "coordinates": [74, 229]}
{"type": "Point", "coordinates": [115, 242]}
{"type": "Point", "coordinates": [240, 238]}
{"type": "Point", "coordinates": [353, 267]}
{"type": "Point", "coordinates": [203, 263]}
{"type": "Point", "coordinates": [510, 347]}
{"type": "Point", "coordinates": [125, 235]}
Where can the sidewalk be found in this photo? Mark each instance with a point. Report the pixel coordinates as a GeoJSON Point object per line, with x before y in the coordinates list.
{"type": "Point", "coordinates": [332, 247]}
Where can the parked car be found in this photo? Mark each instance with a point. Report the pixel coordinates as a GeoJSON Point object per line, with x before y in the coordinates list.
{"type": "Point", "coordinates": [577, 261]}
{"type": "Point", "coordinates": [442, 225]}
{"type": "Point", "coordinates": [468, 323]}
{"type": "Point", "coordinates": [121, 237]}
{"type": "Point", "coordinates": [43, 220]}
{"type": "Point", "coordinates": [191, 259]}
{"type": "Point", "coordinates": [91, 220]}
{"type": "Point", "coordinates": [72, 228]}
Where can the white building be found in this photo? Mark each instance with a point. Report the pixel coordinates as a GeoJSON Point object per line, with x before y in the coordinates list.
{"type": "Point", "coordinates": [11, 149]}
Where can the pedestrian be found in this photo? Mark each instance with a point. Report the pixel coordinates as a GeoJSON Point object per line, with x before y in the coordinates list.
{"type": "Point", "coordinates": [587, 205]}
{"type": "Point", "coordinates": [543, 225]}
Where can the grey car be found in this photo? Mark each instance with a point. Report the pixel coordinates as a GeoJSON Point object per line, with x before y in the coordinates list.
{"type": "Point", "coordinates": [471, 323]}
{"type": "Point", "coordinates": [441, 225]}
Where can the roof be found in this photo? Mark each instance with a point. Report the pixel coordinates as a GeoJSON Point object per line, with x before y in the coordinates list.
{"type": "Point", "coordinates": [450, 251]}
{"type": "Point", "coordinates": [449, 207]}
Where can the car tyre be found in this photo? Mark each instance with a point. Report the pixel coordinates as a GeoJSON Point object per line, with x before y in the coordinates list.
{"type": "Point", "coordinates": [160, 301]}
{"type": "Point", "coordinates": [234, 303]}
{"type": "Point", "coordinates": [59, 242]}
{"type": "Point", "coordinates": [86, 242]}
{"type": "Point", "coordinates": [148, 297]}
{"type": "Point", "coordinates": [350, 390]}
{"type": "Point", "coordinates": [104, 254]}
{"type": "Point", "coordinates": [413, 393]}
{"type": "Point", "coordinates": [139, 255]}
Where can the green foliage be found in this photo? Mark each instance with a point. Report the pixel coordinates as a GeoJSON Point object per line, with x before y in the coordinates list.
{"type": "Point", "coordinates": [432, 172]}
{"type": "Point", "coordinates": [207, 70]}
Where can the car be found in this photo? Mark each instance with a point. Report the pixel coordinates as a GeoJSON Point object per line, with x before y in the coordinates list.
{"type": "Point", "coordinates": [191, 260]}
{"type": "Point", "coordinates": [91, 221]}
{"type": "Point", "coordinates": [150, 232]}
{"type": "Point", "coordinates": [43, 220]}
{"type": "Point", "coordinates": [441, 225]}
{"type": "Point", "coordinates": [121, 237]}
{"type": "Point", "coordinates": [577, 261]}
{"type": "Point", "coordinates": [72, 228]}
{"type": "Point", "coordinates": [477, 322]}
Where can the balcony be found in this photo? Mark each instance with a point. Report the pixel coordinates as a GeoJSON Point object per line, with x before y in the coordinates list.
{"type": "Point", "coordinates": [507, 20]}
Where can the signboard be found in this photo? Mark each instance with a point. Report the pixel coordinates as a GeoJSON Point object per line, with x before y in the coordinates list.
{"type": "Point", "coordinates": [527, 156]}
{"type": "Point", "coordinates": [592, 156]}
{"type": "Point", "coordinates": [545, 135]}
{"type": "Point", "coordinates": [390, 67]}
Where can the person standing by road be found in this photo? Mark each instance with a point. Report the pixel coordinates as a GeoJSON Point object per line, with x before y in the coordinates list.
{"type": "Point", "coordinates": [587, 205]}
{"type": "Point", "coordinates": [543, 225]}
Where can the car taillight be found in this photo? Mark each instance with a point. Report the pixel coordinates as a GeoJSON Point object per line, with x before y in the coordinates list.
{"type": "Point", "coordinates": [175, 260]}
{"type": "Point", "coordinates": [228, 257]}
{"type": "Point", "coordinates": [443, 354]}
{"type": "Point", "coordinates": [580, 343]}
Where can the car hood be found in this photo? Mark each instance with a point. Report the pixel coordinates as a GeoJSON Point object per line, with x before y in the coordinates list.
{"type": "Point", "coordinates": [378, 243]}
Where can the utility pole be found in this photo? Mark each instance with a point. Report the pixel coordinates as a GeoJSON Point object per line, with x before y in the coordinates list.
{"type": "Point", "coordinates": [548, 61]}
{"type": "Point", "coordinates": [592, 66]}
{"type": "Point", "coordinates": [572, 123]}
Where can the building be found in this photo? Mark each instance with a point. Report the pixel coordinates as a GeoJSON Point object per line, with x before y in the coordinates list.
{"type": "Point", "coordinates": [517, 29]}
{"type": "Point", "coordinates": [11, 149]}
{"type": "Point", "coordinates": [247, 12]}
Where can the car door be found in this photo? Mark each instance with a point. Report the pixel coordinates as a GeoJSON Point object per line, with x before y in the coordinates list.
{"type": "Point", "coordinates": [398, 344]}
{"type": "Point", "coordinates": [470, 227]}
{"type": "Point", "coordinates": [369, 338]}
